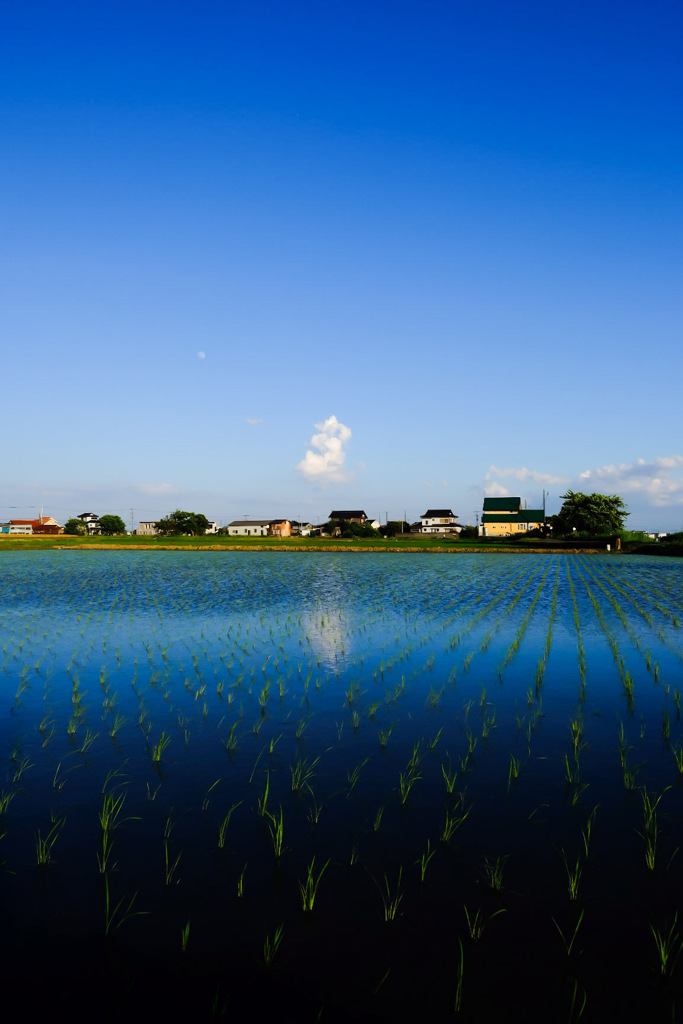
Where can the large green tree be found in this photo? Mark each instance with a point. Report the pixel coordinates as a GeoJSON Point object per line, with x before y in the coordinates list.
{"type": "Point", "coordinates": [111, 525]}
{"type": "Point", "coordinates": [590, 513]}
{"type": "Point", "coordinates": [75, 528]}
{"type": "Point", "coordinates": [188, 523]}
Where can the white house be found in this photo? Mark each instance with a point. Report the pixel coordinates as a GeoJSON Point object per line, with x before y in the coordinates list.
{"type": "Point", "coordinates": [148, 528]}
{"type": "Point", "coordinates": [249, 527]}
{"type": "Point", "coordinates": [91, 521]}
{"type": "Point", "coordinates": [439, 520]}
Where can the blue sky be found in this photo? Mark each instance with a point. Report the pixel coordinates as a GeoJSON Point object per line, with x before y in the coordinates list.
{"type": "Point", "coordinates": [443, 239]}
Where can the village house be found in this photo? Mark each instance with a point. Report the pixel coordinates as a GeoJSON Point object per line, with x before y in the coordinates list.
{"type": "Point", "coordinates": [41, 525]}
{"type": "Point", "coordinates": [260, 528]}
{"type": "Point", "coordinates": [505, 517]}
{"type": "Point", "coordinates": [91, 521]}
{"type": "Point", "coordinates": [350, 516]}
{"type": "Point", "coordinates": [439, 520]}
{"type": "Point", "coordinates": [147, 528]}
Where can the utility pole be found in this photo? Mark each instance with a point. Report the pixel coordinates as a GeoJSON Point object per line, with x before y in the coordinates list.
{"type": "Point", "coordinates": [545, 495]}
{"type": "Point", "coordinates": [132, 520]}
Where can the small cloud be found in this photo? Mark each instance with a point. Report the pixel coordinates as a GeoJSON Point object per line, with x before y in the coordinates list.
{"type": "Point", "coordinates": [324, 460]}
{"type": "Point", "coordinates": [156, 489]}
{"type": "Point", "coordinates": [252, 423]}
{"type": "Point", "coordinates": [524, 475]}
{"type": "Point", "coordinates": [201, 355]}
{"type": "Point", "coordinates": [493, 489]}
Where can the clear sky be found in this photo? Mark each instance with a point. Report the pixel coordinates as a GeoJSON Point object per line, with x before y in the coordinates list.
{"type": "Point", "coordinates": [273, 258]}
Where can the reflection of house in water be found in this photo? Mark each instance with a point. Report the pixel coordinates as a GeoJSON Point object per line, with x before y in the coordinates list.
{"type": "Point", "coordinates": [326, 631]}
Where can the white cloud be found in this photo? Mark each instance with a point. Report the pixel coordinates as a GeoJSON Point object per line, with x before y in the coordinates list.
{"type": "Point", "coordinates": [493, 488]}
{"type": "Point", "coordinates": [156, 489]}
{"type": "Point", "coordinates": [324, 460]}
{"type": "Point", "coordinates": [201, 355]}
{"type": "Point", "coordinates": [656, 483]}
{"type": "Point", "coordinates": [251, 422]}
{"type": "Point", "coordinates": [525, 475]}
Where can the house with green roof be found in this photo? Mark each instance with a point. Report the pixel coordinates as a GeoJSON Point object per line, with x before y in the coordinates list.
{"type": "Point", "coordinates": [505, 517]}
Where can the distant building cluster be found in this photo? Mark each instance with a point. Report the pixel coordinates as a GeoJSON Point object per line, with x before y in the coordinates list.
{"type": "Point", "coordinates": [23, 527]}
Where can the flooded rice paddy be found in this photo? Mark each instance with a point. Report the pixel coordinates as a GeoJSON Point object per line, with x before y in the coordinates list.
{"type": "Point", "coordinates": [342, 787]}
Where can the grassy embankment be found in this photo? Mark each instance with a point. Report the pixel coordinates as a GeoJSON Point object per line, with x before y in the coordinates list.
{"type": "Point", "coordinates": [409, 543]}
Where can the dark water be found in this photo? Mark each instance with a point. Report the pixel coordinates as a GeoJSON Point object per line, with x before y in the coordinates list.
{"type": "Point", "coordinates": [375, 678]}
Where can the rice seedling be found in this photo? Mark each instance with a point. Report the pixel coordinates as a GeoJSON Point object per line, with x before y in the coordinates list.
{"type": "Point", "coordinates": [309, 887]}
{"type": "Point", "coordinates": [455, 820]}
{"type": "Point", "coordinates": [230, 743]}
{"type": "Point", "coordinates": [573, 875]}
{"type": "Point", "coordinates": [669, 946]}
{"type": "Point", "coordinates": [493, 871]}
{"type": "Point", "coordinates": [159, 747]}
{"type": "Point", "coordinates": [116, 914]}
{"type": "Point", "coordinates": [450, 775]}
{"type": "Point", "coordinates": [587, 831]}
{"type": "Point", "coordinates": [276, 830]}
{"type": "Point", "coordinates": [568, 940]}
{"type": "Point", "coordinates": [240, 881]}
{"type": "Point", "coordinates": [271, 944]}
{"type": "Point", "coordinates": [384, 735]}
{"type": "Point", "coordinates": [391, 897]}
{"type": "Point", "coordinates": [302, 772]}
{"type": "Point", "coordinates": [577, 1005]}
{"type": "Point", "coordinates": [406, 781]}
{"type": "Point", "coordinates": [24, 764]}
{"type": "Point", "coordinates": [678, 757]}
{"type": "Point", "coordinates": [88, 740]}
{"type": "Point", "coordinates": [184, 937]}
{"type": "Point", "coordinates": [118, 723]}
{"type": "Point", "coordinates": [666, 726]}
{"type": "Point", "coordinates": [377, 822]}
{"type": "Point", "coordinates": [5, 800]}
{"type": "Point", "coordinates": [513, 770]}
{"type": "Point", "coordinates": [170, 865]}
{"type": "Point", "coordinates": [477, 923]}
{"type": "Point", "coordinates": [459, 975]}
{"type": "Point", "coordinates": [354, 775]}
{"type": "Point", "coordinates": [223, 827]}
{"type": "Point", "coordinates": [44, 845]}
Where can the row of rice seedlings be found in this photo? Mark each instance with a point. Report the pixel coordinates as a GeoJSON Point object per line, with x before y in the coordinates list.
{"type": "Point", "coordinates": [648, 618]}
{"type": "Point", "coordinates": [624, 674]}
{"type": "Point", "coordinates": [628, 587]}
{"type": "Point", "coordinates": [514, 646]}
{"type": "Point", "coordinates": [543, 660]}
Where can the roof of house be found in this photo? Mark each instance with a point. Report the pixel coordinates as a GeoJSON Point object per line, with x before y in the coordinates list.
{"type": "Point", "coordinates": [348, 514]}
{"type": "Point", "coordinates": [438, 513]}
{"type": "Point", "coordinates": [254, 522]}
{"type": "Point", "coordinates": [38, 521]}
{"type": "Point", "coordinates": [87, 515]}
{"type": "Point", "coordinates": [526, 515]}
{"type": "Point", "coordinates": [502, 504]}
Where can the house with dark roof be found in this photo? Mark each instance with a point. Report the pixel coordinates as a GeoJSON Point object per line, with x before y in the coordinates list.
{"type": "Point", "coordinates": [505, 517]}
{"type": "Point", "coordinates": [349, 515]}
{"type": "Point", "coordinates": [91, 521]}
{"type": "Point", "coordinates": [260, 528]}
{"type": "Point", "coordinates": [439, 520]}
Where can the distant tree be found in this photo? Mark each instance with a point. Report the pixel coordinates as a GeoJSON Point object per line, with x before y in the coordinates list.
{"type": "Point", "coordinates": [188, 523]}
{"type": "Point", "coordinates": [394, 528]}
{"type": "Point", "coordinates": [75, 528]}
{"type": "Point", "coordinates": [111, 525]}
{"type": "Point", "coordinates": [469, 532]}
{"type": "Point", "coordinates": [590, 513]}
